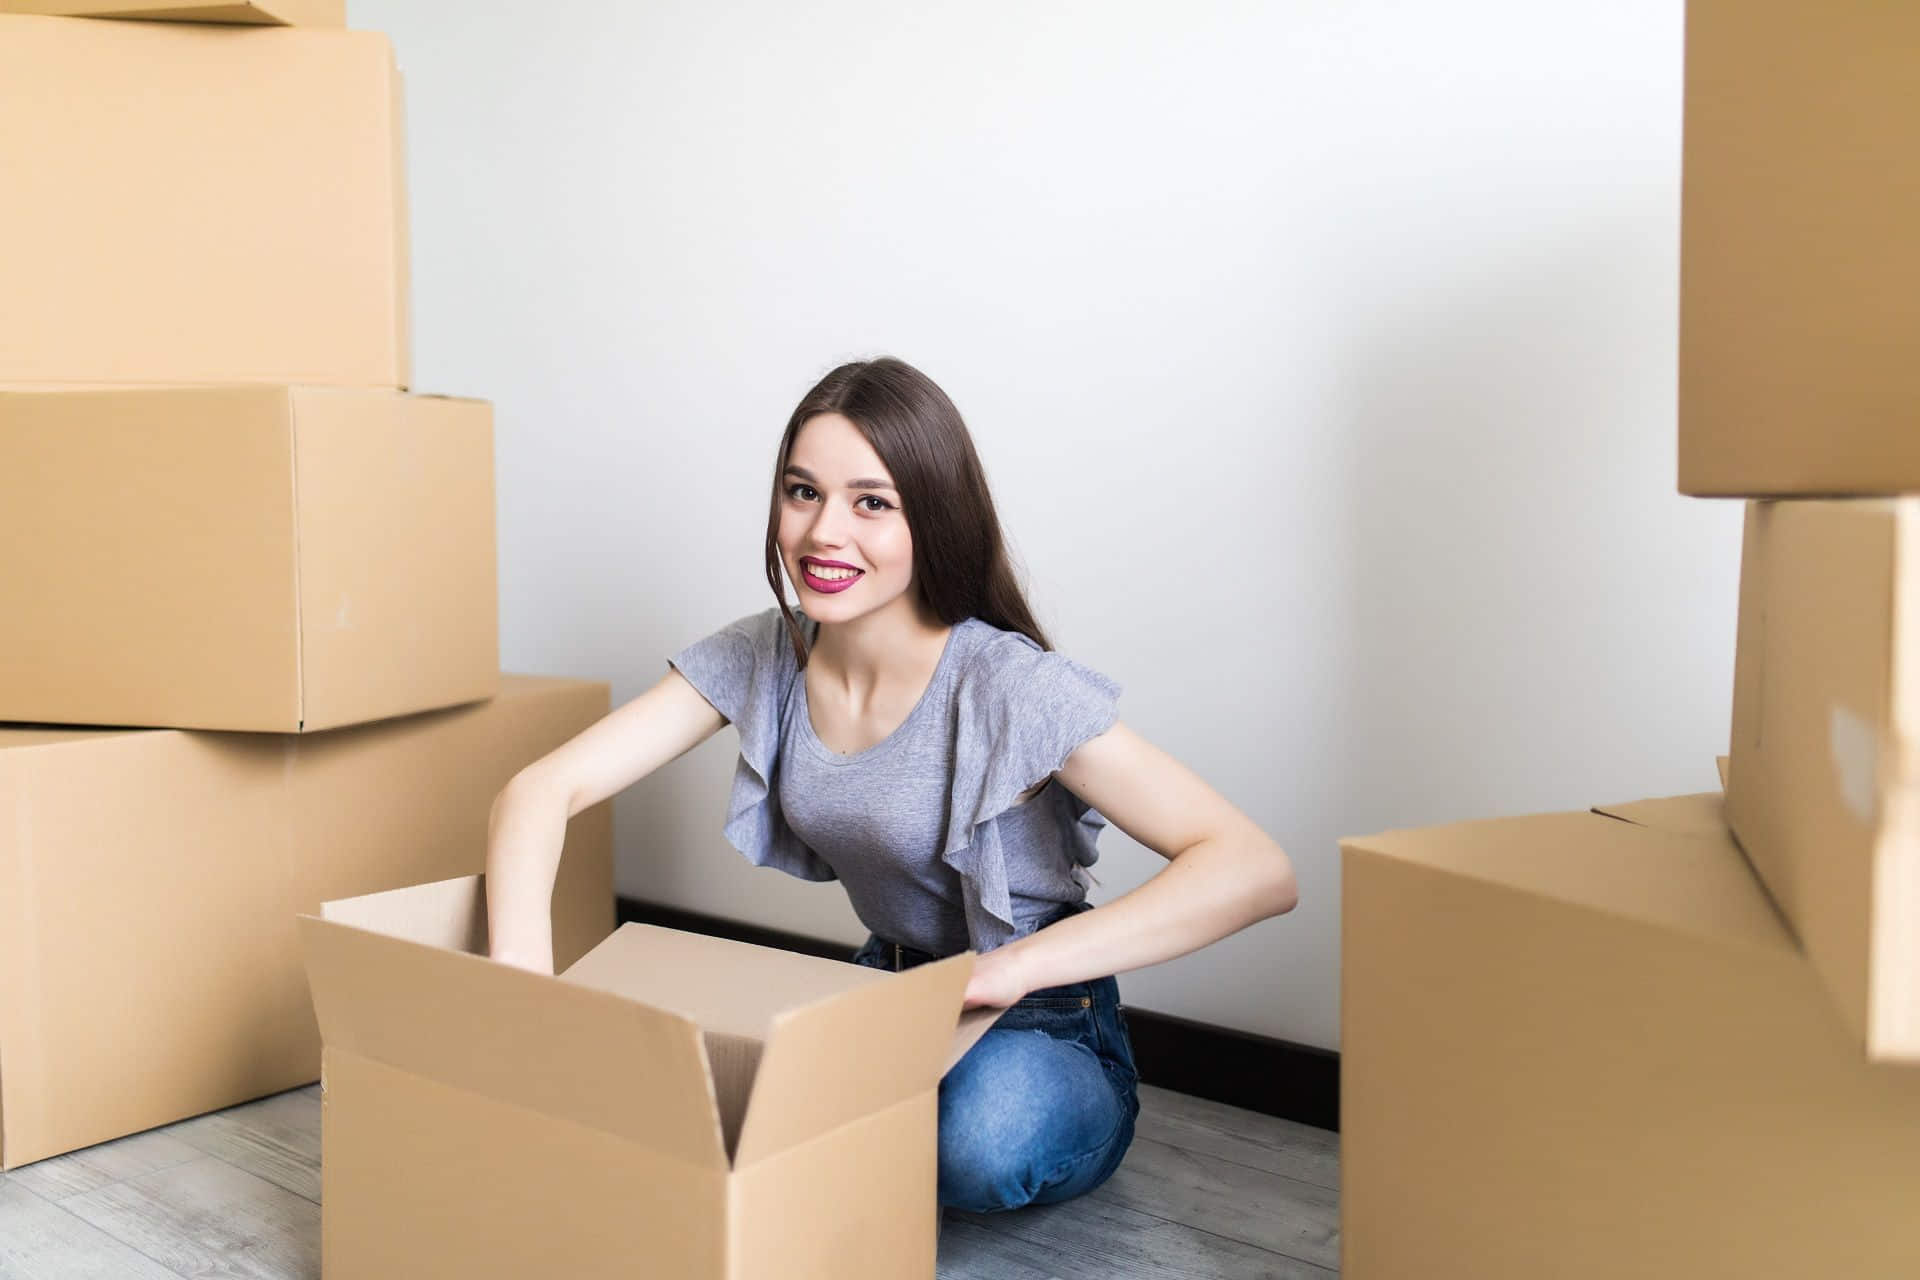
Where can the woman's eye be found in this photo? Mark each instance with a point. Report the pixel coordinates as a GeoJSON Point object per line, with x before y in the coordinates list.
{"type": "Point", "coordinates": [807, 493]}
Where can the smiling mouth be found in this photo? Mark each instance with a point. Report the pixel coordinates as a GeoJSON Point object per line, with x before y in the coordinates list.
{"type": "Point", "coordinates": [828, 580]}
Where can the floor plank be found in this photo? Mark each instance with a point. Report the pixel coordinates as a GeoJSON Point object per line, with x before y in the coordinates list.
{"type": "Point", "coordinates": [39, 1240]}
{"type": "Point", "coordinates": [276, 1138]}
{"type": "Point", "coordinates": [1285, 1147]}
{"type": "Point", "coordinates": [91, 1168]}
{"type": "Point", "coordinates": [1092, 1238]}
{"type": "Point", "coordinates": [208, 1218]}
{"type": "Point", "coordinates": [1279, 1214]}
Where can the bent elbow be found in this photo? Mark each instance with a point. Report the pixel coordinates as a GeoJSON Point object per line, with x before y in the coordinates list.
{"type": "Point", "coordinates": [1282, 891]}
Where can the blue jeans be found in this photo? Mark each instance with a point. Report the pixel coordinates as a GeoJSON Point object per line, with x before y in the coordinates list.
{"type": "Point", "coordinates": [1042, 1108]}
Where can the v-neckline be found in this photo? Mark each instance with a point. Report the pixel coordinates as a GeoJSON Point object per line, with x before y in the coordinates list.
{"type": "Point", "coordinates": [828, 754]}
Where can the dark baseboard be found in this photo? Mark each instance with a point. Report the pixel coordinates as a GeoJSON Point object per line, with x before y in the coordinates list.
{"type": "Point", "coordinates": [1274, 1077]}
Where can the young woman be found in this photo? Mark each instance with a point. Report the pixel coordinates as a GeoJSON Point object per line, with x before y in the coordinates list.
{"type": "Point", "coordinates": [909, 731]}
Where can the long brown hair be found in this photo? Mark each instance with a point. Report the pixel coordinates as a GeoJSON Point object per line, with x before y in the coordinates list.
{"type": "Point", "coordinates": [960, 562]}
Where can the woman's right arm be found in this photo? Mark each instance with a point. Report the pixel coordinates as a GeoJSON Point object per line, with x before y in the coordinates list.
{"type": "Point", "coordinates": [528, 823]}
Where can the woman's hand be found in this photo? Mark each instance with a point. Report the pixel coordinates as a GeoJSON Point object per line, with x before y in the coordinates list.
{"type": "Point", "coordinates": [997, 981]}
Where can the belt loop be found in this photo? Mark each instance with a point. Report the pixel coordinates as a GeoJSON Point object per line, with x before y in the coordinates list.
{"type": "Point", "coordinates": [896, 957]}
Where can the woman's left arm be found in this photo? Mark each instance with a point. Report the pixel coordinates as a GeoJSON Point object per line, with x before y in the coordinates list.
{"type": "Point", "coordinates": [1223, 873]}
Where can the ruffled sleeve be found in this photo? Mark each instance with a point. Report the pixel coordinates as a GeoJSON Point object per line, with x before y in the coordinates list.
{"type": "Point", "coordinates": [1020, 711]}
{"type": "Point", "coordinates": [746, 670]}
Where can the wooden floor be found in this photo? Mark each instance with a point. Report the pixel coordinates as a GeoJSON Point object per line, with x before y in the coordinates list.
{"type": "Point", "coordinates": [1206, 1191]}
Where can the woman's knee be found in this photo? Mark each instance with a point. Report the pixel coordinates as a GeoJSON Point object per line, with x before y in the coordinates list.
{"type": "Point", "coordinates": [1027, 1118]}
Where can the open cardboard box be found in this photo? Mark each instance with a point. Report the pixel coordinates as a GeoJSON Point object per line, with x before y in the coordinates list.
{"type": "Point", "coordinates": [672, 1104]}
{"type": "Point", "coordinates": [1584, 1045]}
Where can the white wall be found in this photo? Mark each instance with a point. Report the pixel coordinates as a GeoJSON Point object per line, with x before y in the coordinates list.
{"type": "Point", "coordinates": [1321, 355]}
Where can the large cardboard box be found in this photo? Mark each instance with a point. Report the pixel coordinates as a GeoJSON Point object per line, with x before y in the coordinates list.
{"type": "Point", "coordinates": [1823, 786]}
{"type": "Point", "coordinates": [254, 558]}
{"type": "Point", "coordinates": [276, 13]}
{"type": "Point", "coordinates": [151, 880]}
{"type": "Point", "coordinates": [1584, 1045]}
{"type": "Point", "coordinates": [200, 203]}
{"type": "Point", "coordinates": [1799, 266]}
{"type": "Point", "coordinates": [672, 1105]}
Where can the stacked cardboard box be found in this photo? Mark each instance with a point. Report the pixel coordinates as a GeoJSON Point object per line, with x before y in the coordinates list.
{"type": "Point", "coordinates": [1682, 1037]}
{"type": "Point", "coordinates": [250, 658]}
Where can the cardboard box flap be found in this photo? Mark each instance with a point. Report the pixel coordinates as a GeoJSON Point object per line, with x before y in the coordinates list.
{"type": "Point", "coordinates": [449, 914]}
{"type": "Point", "coordinates": [731, 988]}
{"type": "Point", "coordinates": [277, 13]}
{"type": "Point", "coordinates": [1670, 874]}
{"type": "Point", "coordinates": [852, 1055]}
{"type": "Point", "coordinates": [558, 1049]}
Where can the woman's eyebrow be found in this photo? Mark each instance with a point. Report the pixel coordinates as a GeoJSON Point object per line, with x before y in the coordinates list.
{"type": "Point", "coordinates": [807, 475]}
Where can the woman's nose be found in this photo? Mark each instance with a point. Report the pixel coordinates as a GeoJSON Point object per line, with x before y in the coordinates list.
{"type": "Point", "coordinates": [829, 526]}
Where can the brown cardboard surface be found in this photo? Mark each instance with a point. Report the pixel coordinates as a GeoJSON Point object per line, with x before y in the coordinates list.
{"type": "Point", "coordinates": [801, 1028]}
{"type": "Point", "coordinates": [796, 1218]}
{"type": "Point", "coordinates": [422, 1179]}
{"type": "Point", "coordinates": [449, 1071]}
{"type": "Point", "coordinates": [150, 880]}
{"type": "Point", "coordinates": [735, 988]}
{"type": "Point", "coordinates": [247, 222]}
{"type": "Point", "coordinates": [1823, 790]}
{"type": "Point", "coordinates": [463, 1021]}
{"type": "Point", "coordinates": [281, 13]}
{"type": "Point", "coordinates": [1556, 1065]}
{"type": "Point", "coordinates": [829, 1063]}
{"type": "Point", "coordinates": [1799, 270]}
{"type": "Point", "coordinates": [244, 557]}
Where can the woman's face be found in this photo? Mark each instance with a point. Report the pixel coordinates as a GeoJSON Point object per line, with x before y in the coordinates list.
{"type": "Point", "coordinates": [838, 506]}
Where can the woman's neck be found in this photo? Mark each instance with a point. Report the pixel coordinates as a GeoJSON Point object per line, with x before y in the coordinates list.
{"type": "Point", "coordinates": [895, 645]}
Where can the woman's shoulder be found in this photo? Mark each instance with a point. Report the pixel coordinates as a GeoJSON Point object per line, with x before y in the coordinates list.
{"type": "Point", "coordinates": [1000, 665]}
{"type": "Point", "coordinates": [763, 633]}
{"type": "Point", "coordinates": [743, 666]}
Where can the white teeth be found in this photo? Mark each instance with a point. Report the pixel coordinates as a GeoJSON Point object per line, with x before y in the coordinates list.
{"type": "Point", "coordinates": [831, 575]}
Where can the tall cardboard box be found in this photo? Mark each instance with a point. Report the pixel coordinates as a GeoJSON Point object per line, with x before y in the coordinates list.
{"type": "Point", "coordinates": [281, 559]}
{"type": "Point", "coordinates": [1799, 266]}
{"type": "Point", "coordinates": [1583, 1045]}
{"type": "Point", "coordinates": [1823, 786]}
{"type": "Point", "coordinates": [672, 1105]}
{"type": "Point", "coordinates": [151, 880]}
{"type": "Point", "coordinates": [194, 203]}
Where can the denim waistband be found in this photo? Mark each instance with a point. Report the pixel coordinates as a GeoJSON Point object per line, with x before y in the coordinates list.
{"type": "Point", "coordinates": [905, 957]}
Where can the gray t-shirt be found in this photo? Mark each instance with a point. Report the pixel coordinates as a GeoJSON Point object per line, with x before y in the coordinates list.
{"type": "Point", "coordinates": [922, 829]}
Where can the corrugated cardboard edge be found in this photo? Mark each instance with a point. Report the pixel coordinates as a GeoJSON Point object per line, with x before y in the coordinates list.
{"type": "Point", "coordinates": [18, 951]}
{"type": "Point", "coordinates": [291, 419]}
{"type": "Point", "coordinates": [1893, 989]}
